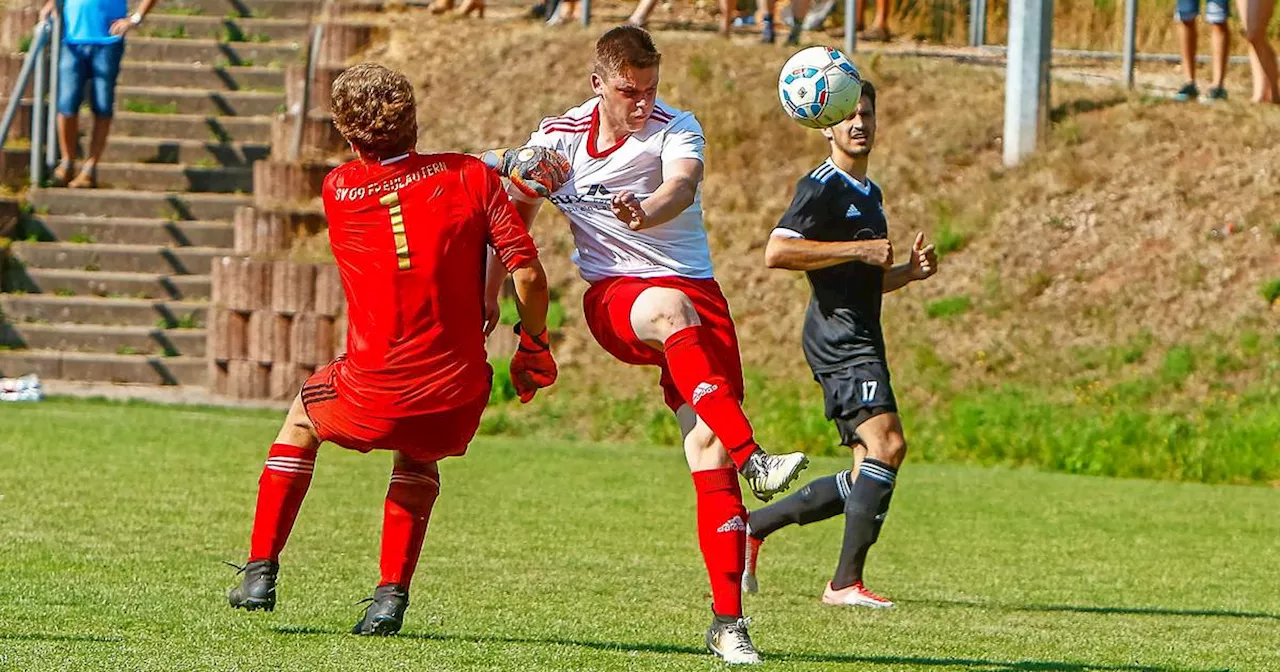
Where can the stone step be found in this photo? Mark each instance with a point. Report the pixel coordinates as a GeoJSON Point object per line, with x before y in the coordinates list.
{"type": "Point", "coordinates": [224, 28]}
{"type": "Point", "coordinates": [67, 282]}
{"type": "Point", "coordinates": [129, 231]}
{"type": "Point", "coordinates": [198, 76]}
{"type": "Point", "coordinates": [112, 339]}
{"type": "Point", "coordinates": [54, 365]}
{"type": "Point", "coordinates": [212, 52]}
{"type": "Point", "coordinates": [193, 152]}
{"type": "Point", "coordinates": [210, 102]}
{"type": "Point", "coordinates": [188, 127]}
{"type": "Point", "coordinates": [174, 177]}
{"type": "Point", "coordinates": [154, 259]}
{"type": "Point", "coordinates": [144, 204]}
{"type": "Point", "coordinates": [46, 308]}
{"type": "Point", "coordinates": [274, 9]}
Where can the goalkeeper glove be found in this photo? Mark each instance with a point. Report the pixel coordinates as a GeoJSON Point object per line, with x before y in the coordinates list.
{"type": "Point", "coordinates": [532, 367]}
{"type": "Point", "coordinates": [537, 172]}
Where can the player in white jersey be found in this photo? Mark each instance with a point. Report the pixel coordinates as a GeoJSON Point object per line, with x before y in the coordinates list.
{"type": "Point", "coordinates": [632, 197]}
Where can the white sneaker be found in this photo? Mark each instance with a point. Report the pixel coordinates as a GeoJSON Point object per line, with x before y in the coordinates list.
{"type": "Point", "coordinates": [856, 595]}
{"type": "Point", "coordinates": [731, 643]}
{"type": "Point", "coordinates": [767, 475]}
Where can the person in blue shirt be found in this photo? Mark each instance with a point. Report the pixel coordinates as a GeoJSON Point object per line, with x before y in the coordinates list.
{"type": "Point", "coordinates": [92, 46]}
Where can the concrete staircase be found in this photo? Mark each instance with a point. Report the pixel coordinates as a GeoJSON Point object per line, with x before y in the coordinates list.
{"type": "Point", "coordinates": [111, 285]}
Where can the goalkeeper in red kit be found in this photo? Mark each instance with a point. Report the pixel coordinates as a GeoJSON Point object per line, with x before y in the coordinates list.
{"type": "Point", "coordinates": [410, 234]}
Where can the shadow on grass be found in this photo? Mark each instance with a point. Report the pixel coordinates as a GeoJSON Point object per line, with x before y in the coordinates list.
{"type": "Point", "coordinates": [1075, 107]}
{"type": "Point", "coordinates": [1083, 609]}
{"type": "Point", "coordinates": [47, 637]}
{"type": "Point", "coordinates": [971, 663]}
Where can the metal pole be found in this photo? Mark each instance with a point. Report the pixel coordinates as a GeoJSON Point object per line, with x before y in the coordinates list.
{"type": "Point", "coordinates": [1026, 77]}
{"type": "Point", "coordinates": [1130, 40]}
{"type": "Point", "coordinates": [24, 76]}
{"type": "Point", "coordinates": [586, 13]}
{"type": "Point", "coordinates": [55, 53]}
{"type": "Point", "coordinates": [304, 107]}
{"type": "Point", "coordinates": [850, 26]}
{"type": "Point", "coordinates": [978, 25]}
{"type": "Point", "coordinates": [37, 121]}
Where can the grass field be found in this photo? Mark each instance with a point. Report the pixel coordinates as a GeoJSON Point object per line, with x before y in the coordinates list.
{"type": "Point", "coordinates": [560, 556]}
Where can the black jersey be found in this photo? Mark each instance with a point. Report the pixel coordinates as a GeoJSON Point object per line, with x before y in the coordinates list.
{"type": "Point", "coordinates": [842, 323]}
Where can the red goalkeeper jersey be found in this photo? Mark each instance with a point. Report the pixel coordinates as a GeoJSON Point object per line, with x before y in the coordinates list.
{"type": "Point", "coordinates": [409, 235]}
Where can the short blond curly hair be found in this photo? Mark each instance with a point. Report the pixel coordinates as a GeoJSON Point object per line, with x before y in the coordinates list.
{"type": "Point", "coordinates": [374, 109]}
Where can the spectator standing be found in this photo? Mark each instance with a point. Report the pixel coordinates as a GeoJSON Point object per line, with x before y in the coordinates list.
{"type": "Point", "coordinates": [92, 45]}
{"type": "Point", "coordinates": [1215, 14]}
{"type": "Point", "coordinates": [1255, 15]}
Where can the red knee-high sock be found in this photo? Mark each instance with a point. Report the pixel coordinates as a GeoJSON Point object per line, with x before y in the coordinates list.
{"type": "Point", "coordinates": [722, 535]}
{"type": "Point", "coordinates": [700, 377]}
{"type": "Point", "coordinates": [413, 491]}
{"type": "Point", "coordinates": [283, 485]}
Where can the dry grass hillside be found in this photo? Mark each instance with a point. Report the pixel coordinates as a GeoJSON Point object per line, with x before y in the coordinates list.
{"type": "Point", "coordinates": [1109, 292]}
{"type": "Point", "coordinates": [1105, 238]}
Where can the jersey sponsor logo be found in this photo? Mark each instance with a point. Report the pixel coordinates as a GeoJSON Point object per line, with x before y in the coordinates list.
{"type": "Point", "coordinates": [594, 197]}
{"type": "Point", "coordinates": [387, 186]}
{"type": "Point", "coordinates": [702, 390]}
{"type": "Point", "coordinates": [853, 211]}
{"type": "Point", "coordinates": [734, 524]}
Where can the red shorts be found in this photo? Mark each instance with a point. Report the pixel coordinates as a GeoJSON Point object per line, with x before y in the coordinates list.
{"type": "Point", "coordinates": [607, 308]}
{"type": "Point", "coordinates": [424, 438]}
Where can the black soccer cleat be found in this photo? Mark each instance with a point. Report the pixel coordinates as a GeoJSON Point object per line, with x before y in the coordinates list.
{"type": "Point", "coordinates": [257, 590]}
{"type": "Point", "coordinates": [385, 613]}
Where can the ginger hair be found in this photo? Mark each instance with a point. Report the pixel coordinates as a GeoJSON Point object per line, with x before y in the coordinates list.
{"type": "Point", "coordinates": [374, 109]}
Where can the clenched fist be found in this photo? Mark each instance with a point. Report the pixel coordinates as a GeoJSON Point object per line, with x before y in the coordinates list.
{"type": "Point", "coordinates": [877, 253]}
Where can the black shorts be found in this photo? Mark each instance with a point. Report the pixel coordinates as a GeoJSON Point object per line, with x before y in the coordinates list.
{"type": "Point", "coordinates": [856, 394]}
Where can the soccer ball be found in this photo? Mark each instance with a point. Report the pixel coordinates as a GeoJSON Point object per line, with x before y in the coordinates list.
{"type": "Point", "coordinates": [819, 87]}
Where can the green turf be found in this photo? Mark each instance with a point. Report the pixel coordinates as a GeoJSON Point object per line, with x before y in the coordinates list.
{"type": "Point", "coordinates": [564, 556]}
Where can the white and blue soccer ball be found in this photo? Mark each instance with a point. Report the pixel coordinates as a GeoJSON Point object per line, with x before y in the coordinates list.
{"type": "Point", "coordinates": [819, 87]}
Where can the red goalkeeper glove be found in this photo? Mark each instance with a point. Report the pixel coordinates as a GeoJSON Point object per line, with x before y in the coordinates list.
{"type": "Point", "coordinates": [532, 367]}
{"type": "Point", "coordinates": [537, 172]}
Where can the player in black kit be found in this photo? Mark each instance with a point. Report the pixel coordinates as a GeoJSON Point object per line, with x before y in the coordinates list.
{"type": "Point", "coordinates": [835, 231]}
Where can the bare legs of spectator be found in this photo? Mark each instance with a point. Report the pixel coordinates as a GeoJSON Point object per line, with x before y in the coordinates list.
{"type": "Point", "coordinates": [798, 10]}
{"type": "Point", "coordinates": [879, 31]}
{"type": "Point", "coordinates": [472, 6]}
{"type": "Point", "coordinates": [640, 16]}
{"type": "Point", "coordinates": [68, 135]}
{"type": "Point", "coordinates": [1221, 48]}
{"type": "Point", "coordinates": [565, 11]}
{"type": "Point", "coordinates": [1255, 15]}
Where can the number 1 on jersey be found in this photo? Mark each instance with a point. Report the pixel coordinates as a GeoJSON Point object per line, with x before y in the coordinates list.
{"type": "Point", "coordinates": [392, 202]}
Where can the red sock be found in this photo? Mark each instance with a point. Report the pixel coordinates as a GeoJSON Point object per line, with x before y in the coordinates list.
{"type": "Point", "coordinates": [700, 378]}
{"type": "Point", "coordinates": [413, 491]}
{"type": "Point", "coordinates": [283, 484]}
{"type": "Point", "coordinates": [722, 535]}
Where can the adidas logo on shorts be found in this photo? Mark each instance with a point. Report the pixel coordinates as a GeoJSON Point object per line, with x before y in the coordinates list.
{"type": "Point", "coordinates": [702, 390]}
{"type": "Point", "coordinates": [734, 524]}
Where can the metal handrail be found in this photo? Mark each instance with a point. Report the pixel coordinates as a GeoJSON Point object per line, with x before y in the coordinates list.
{"type": "Point", "coordinates": [38, 42]}
{"type": "Point", "coordinates": [303, 108]}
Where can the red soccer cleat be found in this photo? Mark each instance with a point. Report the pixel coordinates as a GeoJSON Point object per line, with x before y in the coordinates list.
{"type": "Point", "coordinates": [856, 595]}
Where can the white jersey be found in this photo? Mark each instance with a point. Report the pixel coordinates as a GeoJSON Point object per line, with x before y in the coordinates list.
{"type": "Point", "coordinates": [606, 247]}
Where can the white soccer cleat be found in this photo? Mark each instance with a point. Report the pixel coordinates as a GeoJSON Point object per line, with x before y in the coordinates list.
{"type": "Point", "coordinates": [749, 583]}
{"type": "Point", "coordinates": [856, 595]}
{"type": "Point", "coordinates": [731, 643]}
{"type": "Point", "coordinates": [767, 475]}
